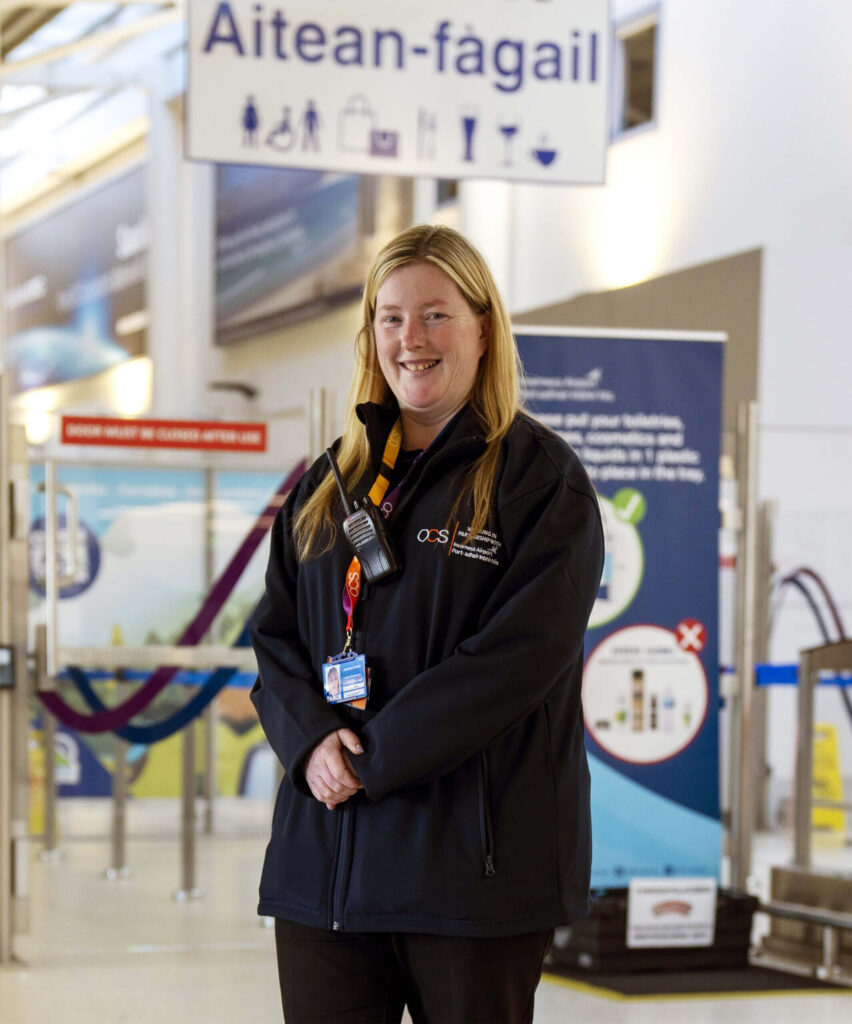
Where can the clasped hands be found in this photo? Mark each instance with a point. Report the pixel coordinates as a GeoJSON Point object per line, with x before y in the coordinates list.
{"type": "Point", "coordinates": [329, 771]}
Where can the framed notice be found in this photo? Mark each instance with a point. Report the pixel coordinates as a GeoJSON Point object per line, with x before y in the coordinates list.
{"type": "Point", "coordinates": [671, 912]}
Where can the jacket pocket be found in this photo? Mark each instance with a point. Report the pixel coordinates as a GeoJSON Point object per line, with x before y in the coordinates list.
{"type": "Point", "coordinates": [486, 825]}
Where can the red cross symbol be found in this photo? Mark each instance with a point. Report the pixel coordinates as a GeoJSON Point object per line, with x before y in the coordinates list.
{"type": "Point", "coordinates": [691, 635]}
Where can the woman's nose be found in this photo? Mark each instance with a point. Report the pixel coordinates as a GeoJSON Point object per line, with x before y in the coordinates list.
{"type": "Point", "coordinates": [412, 335]}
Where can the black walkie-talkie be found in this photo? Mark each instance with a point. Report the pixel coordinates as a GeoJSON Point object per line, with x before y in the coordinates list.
{"type": "Point", "coordinates": [366, 532]}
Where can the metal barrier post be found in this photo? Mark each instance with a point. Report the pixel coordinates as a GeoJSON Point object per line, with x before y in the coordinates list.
{"type": "Point", "coordinates": [804, 765]}
{"type": "Point", "coordinates": [188, 890]}
{"type": "Point", "coordinates": [209, 714]}
{"type": "Point", "coordinates": [119, 868]}
{"type": "Point", "coordinates": [767, 516]}
{"type": "Point", "coordinates": [742, 810]}
{"type": "Point", "coordinates": [5, 829]}
{"type": "Point", "coordinates": [48, 733]}
{"type": "Point", "coordinates": [209, 717]}
{"type": "Point", "coordinates": [43, 683]}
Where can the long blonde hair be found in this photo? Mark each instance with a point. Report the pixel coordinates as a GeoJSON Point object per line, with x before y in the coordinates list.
{"type": "Point", "coordinates": [495, 397]}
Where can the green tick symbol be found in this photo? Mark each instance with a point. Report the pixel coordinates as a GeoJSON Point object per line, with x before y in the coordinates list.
{"type": "Point", "coordinates": [630, 506]}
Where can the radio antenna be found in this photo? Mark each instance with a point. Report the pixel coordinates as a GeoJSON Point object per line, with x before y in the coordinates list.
{"type": "Point", "coordinates": [347, 504]}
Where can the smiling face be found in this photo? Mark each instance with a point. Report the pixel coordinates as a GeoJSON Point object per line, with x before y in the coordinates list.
{"type": "Point", "coordinates": [429, 342]}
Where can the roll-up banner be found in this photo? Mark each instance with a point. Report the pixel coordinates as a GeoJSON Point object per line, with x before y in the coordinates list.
{"type": "Point", "coordinates": [643, 411]}
{"type": "Point", "coordinates": [513, 89]}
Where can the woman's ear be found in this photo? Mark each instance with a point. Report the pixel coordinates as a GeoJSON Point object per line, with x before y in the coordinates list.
{"type": "Point", "coordinates": [484, 331]}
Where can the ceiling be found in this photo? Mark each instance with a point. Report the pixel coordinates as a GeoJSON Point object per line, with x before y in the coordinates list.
{"type": "Point", "coordinates": [72, 78]}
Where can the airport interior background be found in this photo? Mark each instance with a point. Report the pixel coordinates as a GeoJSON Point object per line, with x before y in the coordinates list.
{"type": "Point", "coordinates": [190, 196]}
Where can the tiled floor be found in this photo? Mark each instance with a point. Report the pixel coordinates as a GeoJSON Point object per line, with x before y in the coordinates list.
{"type": "Point", "coordinates": [124, 952]}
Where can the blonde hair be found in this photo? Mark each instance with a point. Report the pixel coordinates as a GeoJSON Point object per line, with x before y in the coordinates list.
{"type": "Point", "coordinates": [495, 397]}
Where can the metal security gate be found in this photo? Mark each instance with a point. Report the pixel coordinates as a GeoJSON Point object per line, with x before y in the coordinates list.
{"type": "Point", "coordinates": [53, 544]}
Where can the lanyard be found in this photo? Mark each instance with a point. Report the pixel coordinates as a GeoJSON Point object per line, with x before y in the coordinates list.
{"type": "Point", "coordinates": [352, 585]}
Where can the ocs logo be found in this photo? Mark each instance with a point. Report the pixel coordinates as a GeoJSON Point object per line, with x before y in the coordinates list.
{"type": "Point", "coordinates": [434, 536]}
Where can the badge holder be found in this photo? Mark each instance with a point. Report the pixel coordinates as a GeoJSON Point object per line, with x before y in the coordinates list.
{"type": "Point", "coordinates": [346, 679]}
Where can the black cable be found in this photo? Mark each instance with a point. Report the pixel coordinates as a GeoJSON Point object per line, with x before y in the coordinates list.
{"type": "Point", "coordinates": [826, 593]}
{"type": "Point", "coordinates": [797, 583]}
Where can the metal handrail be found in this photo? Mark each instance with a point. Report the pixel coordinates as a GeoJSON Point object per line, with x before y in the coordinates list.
{"type": "Point", "coordinates": [810, 915]}
{"type": "Point", "coordinates": [154, 655]}
{"type": "Point", "coordinates": [832, 923]}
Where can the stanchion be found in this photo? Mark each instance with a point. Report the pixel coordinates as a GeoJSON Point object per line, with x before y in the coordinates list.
{"type": "Point", "coordinates": [188, 889]}
{"type": "Point", "coordinates": [742, 760]}
{"type": "Point", "coordinates": [50, 849]}
{"type": "Point", "coordinates": [209, 719]}
{"type": "Point", "coordinates": [43, 683]}
{"type": "Point", "coordinates": [5, 827]}
{"type": "Point", "coordinates": [119, 868]}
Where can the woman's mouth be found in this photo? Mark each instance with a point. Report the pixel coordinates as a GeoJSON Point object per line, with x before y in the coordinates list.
{"type": "Point", "coordinates": [420, 367]}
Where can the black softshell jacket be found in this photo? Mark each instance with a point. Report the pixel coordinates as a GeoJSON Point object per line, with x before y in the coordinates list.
{"type": "Point", "coordinates": [474, 817]}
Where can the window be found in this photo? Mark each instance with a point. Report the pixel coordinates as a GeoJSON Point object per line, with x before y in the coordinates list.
{"type": "Point", "coordinates": [635, 58]}
{"type": "Point", "coordinates": [448, 191]}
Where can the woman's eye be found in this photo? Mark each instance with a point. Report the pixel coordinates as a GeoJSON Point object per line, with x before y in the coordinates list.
{"type": "Point", "coordinates": [436, 316]}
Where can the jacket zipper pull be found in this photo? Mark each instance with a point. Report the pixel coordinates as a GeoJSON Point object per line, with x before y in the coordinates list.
{"type": "Point", "coordinates": [490, 870]}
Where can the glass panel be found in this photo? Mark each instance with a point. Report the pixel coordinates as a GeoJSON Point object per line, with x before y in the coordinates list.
{"type": "Point", "coordinates": [151, 543]}
{"type": "Point", "coordinates": [639, 56]}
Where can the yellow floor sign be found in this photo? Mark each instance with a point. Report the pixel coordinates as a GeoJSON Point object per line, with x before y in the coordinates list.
{"type": "Point", "coordinates": [827, 780]}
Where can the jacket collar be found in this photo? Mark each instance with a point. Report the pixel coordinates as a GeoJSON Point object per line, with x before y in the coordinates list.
{"type": "Point", "coordinates": [379, 419]}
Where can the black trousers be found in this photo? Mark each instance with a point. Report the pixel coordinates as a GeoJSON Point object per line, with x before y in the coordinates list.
{"type": "Point", "coordinates": [346, 977]}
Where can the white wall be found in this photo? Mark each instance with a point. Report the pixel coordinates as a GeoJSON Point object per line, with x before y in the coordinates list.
{"type": "Point", "coordinates": [285, 366]}
{"type": "Point", "coordinates": [751, 148]}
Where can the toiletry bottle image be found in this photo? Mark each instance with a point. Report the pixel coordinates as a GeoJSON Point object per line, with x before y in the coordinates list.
{"type": "Point", "coordinates": [606, 578]}
{"type": "Point", "coordinates": [652, 719]}
{"type": "Point", "coordinates": [638, 700]}
{"type": "Point", "coordinates": [668, 710]}
{"type": "Point", "coordinates": [621, 711]}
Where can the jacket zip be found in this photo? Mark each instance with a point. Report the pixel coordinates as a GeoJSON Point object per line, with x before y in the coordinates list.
{"type": "Point", "coordinates": [347, 811]}
{"type": "Point", "coordinates": [428, 466]}
{"type": "Point", "coordinates": [486, 828]}
{"type": "Point", "coordinates": [343, 857]}
{"type": "Point", "coordinates": [341, 869]}
{"type": "Point", "coordinates": [337, 852]}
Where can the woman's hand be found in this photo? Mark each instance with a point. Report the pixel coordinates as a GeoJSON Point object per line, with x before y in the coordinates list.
{"type": "Point", "coordinates": [328, 770]}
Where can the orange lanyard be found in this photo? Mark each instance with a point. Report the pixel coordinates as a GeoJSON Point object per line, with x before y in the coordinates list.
{"type": "Point", "coordinates": [352, 586]}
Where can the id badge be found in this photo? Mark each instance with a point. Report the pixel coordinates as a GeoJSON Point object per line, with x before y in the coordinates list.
{"type": "Point", "coordinates": [345, 679]}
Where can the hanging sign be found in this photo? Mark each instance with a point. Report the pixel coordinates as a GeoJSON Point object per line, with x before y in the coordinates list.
{"type": "Point", "coordinates": [642, 409]}
{"type": "Point", "coordinates": [511, 89]}
{"type": "Point", "coordinates": [214, 435]}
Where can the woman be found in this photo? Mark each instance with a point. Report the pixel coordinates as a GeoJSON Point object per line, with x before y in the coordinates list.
{"type": "Point", "coordinates": [424, 846]}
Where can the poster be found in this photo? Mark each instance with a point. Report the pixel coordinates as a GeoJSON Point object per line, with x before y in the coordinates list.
{"type": "Point", "coordinates": [643, 411]}
{"type": "Point", "coordinates": [511, 89]}
{"type": "Point", "coordinates": [294, 244]}
{"type": "Point", "coordinates": [77, 308]}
